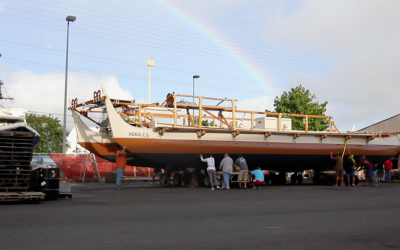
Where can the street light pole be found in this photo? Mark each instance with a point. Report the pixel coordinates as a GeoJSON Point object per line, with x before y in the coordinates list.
{"type": "Point", "coordinates": [195, 76]}
{"type": "Point", "coordinates": [150, 63]}
{"type": "Point", "coordinates": [68, 19]}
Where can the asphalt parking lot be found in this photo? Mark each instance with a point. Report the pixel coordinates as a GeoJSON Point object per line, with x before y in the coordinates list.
{"type": "Point", "coordinates": [144, 216]}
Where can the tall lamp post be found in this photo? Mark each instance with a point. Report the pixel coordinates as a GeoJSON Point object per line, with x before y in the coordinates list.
{"type": "Point", "coordinates": [150, 63]}
{"type": "Point", "coordinates": [68, 19]}
{"type": "Point", "coordinates": [195, 76]}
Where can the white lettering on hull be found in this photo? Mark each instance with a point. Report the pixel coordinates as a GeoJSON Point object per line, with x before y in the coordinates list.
{"type": "Point", "coordinates": [139, 134]}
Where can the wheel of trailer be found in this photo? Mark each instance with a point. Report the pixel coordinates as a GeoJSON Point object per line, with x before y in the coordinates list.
{"type": "Point", "coordinates": [346, 181]}
{"type": "Point", "coordinates": [356, 181]}
{"type": "Point", "coordinates": [249, 182]}
{"type": "Point", "coordinates": [219, 182]}
{"type": "Point", "coordinates": [317, 180]}
{"type": "Point", "coordinates": [186, 180]}
{"type": "Point", "coordinates": [267, 178]}
{"type": "Point", "coordinates": [330, 180]}
{"type": "Point", "coordinates": [282, 179]}
{"type": "Point", "coordinates": [177, 180]}
{"type": "Point", "coordinates": [278, 179]}
{"type": "Point", "coordinates": [299, 179]}
{"type": "Point", "coordinates": [293, 178]}
{"type": "Point", "coordinates": [275, 179]}
{"type": "Point", "coordinates": [206, 181]}
{"type": "Point", "coordinates": [162, 176]}
{"type": "Point", "coordinates": [200, 179]}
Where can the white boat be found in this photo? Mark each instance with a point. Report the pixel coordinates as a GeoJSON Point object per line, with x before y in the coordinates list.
{"type": "Point", "coordinates": [142, 129]}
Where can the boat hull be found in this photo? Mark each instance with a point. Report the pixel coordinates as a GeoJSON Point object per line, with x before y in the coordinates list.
{"type": "Point", "coordinates": [155, 145]}
{"type": "Point", "coordinates": [267, 155]}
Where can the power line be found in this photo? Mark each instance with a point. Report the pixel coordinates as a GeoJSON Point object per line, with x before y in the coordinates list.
{"type": "Point", "coordinates": [202, 54]}
{"type": "Point", "coordinates": [252, 53]}
{"type": "Point", "coordinates": [130, 64]}
{"type": "Point", "coordinates": [88, 71]}
{"type": "Point", "coordinates": [235, 90]}
{"type": "Point", "coordinates": [292, 66]}
{"type": "Point", "coordinates": [371, 81]}
{"type": "Point", "coordinates": [185, 32]}
{"type": "Point", "coordinates": [126, 63]}
{"type": "Point", "coordinates": [174, 38]}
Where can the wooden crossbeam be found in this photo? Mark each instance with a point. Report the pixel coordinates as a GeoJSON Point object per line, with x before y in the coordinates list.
{"type": "Point", "coordinates": [224, 122]}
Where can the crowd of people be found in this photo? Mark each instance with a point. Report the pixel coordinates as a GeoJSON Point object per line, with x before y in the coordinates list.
{"type": "Point", "coordinates": [347, 165]}
{"type": "Point", "coordinates": [227, 166]}
{"type": "Point", "coordinates": [374, 172]}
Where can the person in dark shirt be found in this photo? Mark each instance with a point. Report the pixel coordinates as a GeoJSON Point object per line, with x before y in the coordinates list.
{"type": "Point", "coordinates": [369, 168]}
{"type": "Point", "coordinates": [348, 165]}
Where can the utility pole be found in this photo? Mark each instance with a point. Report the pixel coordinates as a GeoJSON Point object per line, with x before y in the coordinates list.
{"type": "Point", "coordinates": [1, 94]}
{"type": "Point", "coordinates": [150, 63]}
{"type": "Point", "coordinates": [68, 19]}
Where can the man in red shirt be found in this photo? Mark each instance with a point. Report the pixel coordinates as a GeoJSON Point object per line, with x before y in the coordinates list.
{"type": "Point", "coordinates": [120, 160]}
{"type": "Point", "coordinates": [388, 169]}
{"type": "Point", "coordinates": [369, 167]}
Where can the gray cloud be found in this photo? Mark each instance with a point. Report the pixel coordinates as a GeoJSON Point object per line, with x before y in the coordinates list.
{"type": "Point", "coordinates": [361, 39]}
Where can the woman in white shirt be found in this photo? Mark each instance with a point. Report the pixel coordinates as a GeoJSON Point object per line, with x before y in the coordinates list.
{"type": "Point", "coordinates": [212, 173]}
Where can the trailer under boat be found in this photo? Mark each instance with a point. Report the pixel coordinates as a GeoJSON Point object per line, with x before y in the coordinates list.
{"type": "Point", "coordinates": [265, 141]}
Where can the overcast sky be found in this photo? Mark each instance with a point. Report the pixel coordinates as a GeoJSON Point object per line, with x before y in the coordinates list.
{"type": "Point", "coordinates": [346, 52]}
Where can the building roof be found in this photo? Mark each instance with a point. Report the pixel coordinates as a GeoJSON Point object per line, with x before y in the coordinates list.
{"type": "Point", "coordinates": [387, 119]}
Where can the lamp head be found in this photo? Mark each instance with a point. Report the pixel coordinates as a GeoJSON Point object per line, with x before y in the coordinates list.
{"type": "Point", "coordinates": [71, 18]}
{"type": "Point", "coordinates": [196, 76]}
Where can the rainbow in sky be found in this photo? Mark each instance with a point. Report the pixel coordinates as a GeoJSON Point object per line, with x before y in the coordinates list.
{"type": "Point", "coordinates": [216, 37]}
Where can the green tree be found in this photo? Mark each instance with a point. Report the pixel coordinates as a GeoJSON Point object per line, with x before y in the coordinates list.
{"type": "Point", "coordinates": [50, 130]}
{"type": "Point", "coordinates": [300, 101]}
{"type": "Point", "coordinates": [205, 123]}
{"type": "Point", "coordinates": [104, 122]}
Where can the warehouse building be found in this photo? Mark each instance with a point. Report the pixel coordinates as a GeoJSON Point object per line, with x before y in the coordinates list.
{"type": "Point", "coordinates": [391, 124]}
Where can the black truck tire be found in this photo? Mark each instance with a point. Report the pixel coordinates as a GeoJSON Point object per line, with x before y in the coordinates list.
{"type": "Point", "coordinates": [177, 180]}
{"type": "Point", "coordinates": [299, 179]}
{"type": "Point", "coordinates": [293, 178]}
{"type": "Point", "coordinates": [162, 176]}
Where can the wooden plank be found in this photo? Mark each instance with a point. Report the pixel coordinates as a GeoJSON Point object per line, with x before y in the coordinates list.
{"type": "Point", "coordinates": [33, 195]}
{"type": "Point", "coordinates": [9, 196]}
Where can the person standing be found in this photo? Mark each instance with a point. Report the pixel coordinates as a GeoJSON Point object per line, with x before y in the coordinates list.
{"type": "Point", "coordinates": [258, 179]}
{"type": "Point", "coordinates": [243, 172]}
{"type": "Point", "coordinates": [374, 174]}
{"type": "Point", "coordinates": [369, 168]}
{"type": "Point", "coordinates": [349, 169]}
{"type": "Point", "coordinates": [226, 166]}
{"type": "Point", "coordinates": [212, 172]}
{"type": "Point", "coordinates": [120, 160]}
{"type": "Point", "coordinates": [379, 171]}
{"type": "Point", "coordinates": [388, 169]}
{"type": "Point", "coordinates": [339, 168]}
